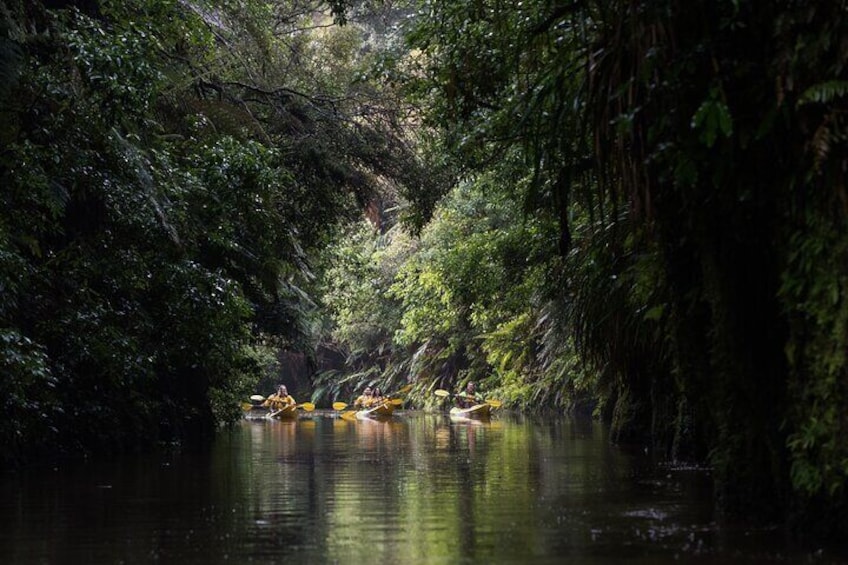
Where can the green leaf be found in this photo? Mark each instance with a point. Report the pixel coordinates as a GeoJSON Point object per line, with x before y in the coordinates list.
{"type": "Point", "coordinates": [655, 313]}
{"type": "Point", "coordinates": [712, 117]}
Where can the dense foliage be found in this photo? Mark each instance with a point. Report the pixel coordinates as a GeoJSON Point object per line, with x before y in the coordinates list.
{"type": "Point", "coordinates": [468, 299]}
{"type": "Point", "coordinates": [167, 168]}
{"type": "Point", "coordinates": [687, 164]}
{"type": "Point", "coordinates": [694, 157]}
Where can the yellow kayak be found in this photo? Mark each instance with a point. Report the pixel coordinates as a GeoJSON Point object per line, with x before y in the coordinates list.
{"type": "Point", "coordinates": [285, 413]}
{"type": "Point", "coordinates": [476, 411]}
{"type": "Point", "coordinates": [384, 410]}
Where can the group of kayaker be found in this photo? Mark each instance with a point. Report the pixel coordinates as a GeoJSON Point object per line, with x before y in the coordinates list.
{"type": "Point", "coordinates": [369, 398]}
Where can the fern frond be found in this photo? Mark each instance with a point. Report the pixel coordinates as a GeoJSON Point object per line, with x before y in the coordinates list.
{"type": "Point", "coordinates": [824, 92]}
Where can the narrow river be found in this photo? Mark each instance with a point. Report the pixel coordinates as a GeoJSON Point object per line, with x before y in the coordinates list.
{"type": "Point", "coordinates": [419, 488]}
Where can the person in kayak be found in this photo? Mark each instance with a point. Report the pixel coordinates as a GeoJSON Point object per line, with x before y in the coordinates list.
{"type": "Point", "coordinates": [376, 396]}
{"type": "Point", "coordinates": [364, 400]}
{"type": "Point", "coordinates": [279, 399]}
{"type": "Point", "coordinates": [468, 397]}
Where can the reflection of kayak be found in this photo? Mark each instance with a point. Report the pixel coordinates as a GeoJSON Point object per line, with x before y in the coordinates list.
{"type": "Point", "coordinates": [477, 411]}
{"type": "Point", "coordinates": [384, 410]}
{"type": "Point", "coordinates": [285, 413]}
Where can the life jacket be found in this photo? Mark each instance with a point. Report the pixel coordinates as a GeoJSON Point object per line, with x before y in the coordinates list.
{"type": "Point", "coordinates": [363, 401]}
{"type": "Point", "coordinates": [466, 401]}
{"type": "Point", "coordinates": [276, 402]}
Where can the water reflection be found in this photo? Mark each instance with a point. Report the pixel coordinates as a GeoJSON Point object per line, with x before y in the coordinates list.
{"type": "Point", "coordinates": [418, 488]}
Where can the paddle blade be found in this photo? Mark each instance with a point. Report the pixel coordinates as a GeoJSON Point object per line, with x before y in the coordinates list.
{"type": "Point", "coordinates": [349, 415]}
{"type": "Point", "coordinates": [405, 389]}
{"type": "Point", "coordinates": [494, 403]}
{"type": "Point", "coordinates": [395, 401]}
{"type": "Point", "coordinates": [308, 406]}
{"type": "Point", "coordinates": [257, 398]}
{"type": "Point", "coordinates": [246, 406]}
{"type": "Point", "coordinates": [339, 405]}
{"type": "Point", "coordinates": [441, 392]}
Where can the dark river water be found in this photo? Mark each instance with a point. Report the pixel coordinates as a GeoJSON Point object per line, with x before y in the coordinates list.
{"type": "Point", "coordinates": [419, 488]}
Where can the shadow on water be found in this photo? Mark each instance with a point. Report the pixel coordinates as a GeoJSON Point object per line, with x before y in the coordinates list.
{"type": "Point", "coordinates": [417, 488]}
